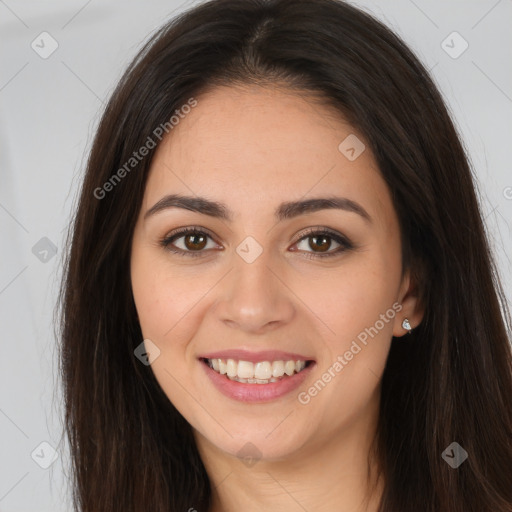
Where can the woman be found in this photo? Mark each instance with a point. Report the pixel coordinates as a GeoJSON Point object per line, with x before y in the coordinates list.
{"type": "Point", "coordinates": [279, 293]}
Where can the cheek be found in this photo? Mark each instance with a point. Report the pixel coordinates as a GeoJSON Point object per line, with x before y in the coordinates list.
{"type": "Point", "coordinates": [167, 302]}
{"type": "Point", "coordinates": [352, 297]}
{"type": "Point", "coordinates": [163, 297]}
{"type": "Point", "coordinates": [357, 302]}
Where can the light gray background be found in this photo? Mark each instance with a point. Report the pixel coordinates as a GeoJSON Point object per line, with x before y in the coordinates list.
{"type": "Point", "coordinates": [49, 111]}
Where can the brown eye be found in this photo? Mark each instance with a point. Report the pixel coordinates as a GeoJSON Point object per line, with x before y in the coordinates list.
{"type": "Point", "coordinates": [188, 242]}
{"type": "Point", "coordinates": [320, 243]}
{"type": "Point", "coordinates": [195, 242]}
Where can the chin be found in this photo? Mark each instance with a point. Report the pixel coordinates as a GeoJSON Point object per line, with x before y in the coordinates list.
{"type": "Point", "coordinates": [258, 443]}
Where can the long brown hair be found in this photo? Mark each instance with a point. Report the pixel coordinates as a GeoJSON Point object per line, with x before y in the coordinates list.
{"type": "Point", "coordinates": [131, 450]}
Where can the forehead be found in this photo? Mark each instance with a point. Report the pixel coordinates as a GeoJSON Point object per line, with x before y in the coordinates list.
{"type": "Point", "coordinates": [253, 146]}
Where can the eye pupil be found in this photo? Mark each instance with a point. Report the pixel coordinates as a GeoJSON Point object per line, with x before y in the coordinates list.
{"type": "Point", "coordinates": [195, 237]}
{"type": "Point", "coordinates": [325, 242]}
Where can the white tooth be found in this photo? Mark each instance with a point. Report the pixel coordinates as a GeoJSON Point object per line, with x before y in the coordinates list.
{"type": "Point", "coordinates": [263, 370]}
{"type": "Point", "coordinates": [277, 368]}
{"type": "Point", "coordinates": [289, 367]}
{"type": "Point", "coordinates": [245, 369]}
{"type": "Point", "coordinates": [232, 367]}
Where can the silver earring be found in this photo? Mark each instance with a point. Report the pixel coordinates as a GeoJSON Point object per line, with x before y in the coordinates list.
{"type": "Point", "coordinates": [406, 325]}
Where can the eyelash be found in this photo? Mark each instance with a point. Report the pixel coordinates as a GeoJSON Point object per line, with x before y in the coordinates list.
{"type": "Point", "coordinates": [345, 244]}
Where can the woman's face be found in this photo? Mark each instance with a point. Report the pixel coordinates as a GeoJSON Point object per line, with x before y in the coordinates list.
{"type": "Point", "coordinates": [256, 285]}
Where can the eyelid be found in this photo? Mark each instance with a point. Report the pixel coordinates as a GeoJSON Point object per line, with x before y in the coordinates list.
{"type": "Point", "coordinates": [189, 229]}
{"type": "Point", "coordinates": [320, 230]}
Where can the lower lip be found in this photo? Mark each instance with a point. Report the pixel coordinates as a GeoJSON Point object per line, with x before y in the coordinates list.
{"type": "Point", "coordinates": [256, 392]}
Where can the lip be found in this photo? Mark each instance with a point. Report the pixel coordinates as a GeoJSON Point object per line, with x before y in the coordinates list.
{"type": "Point", "coordinates": [255, 357]}
{"type": "Point", "coordinates": [255, 392]}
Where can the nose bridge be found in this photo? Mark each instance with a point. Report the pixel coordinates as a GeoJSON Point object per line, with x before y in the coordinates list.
{"type": "Point", "coordinates": [254, 278]}
{"type": "Point", "coordinates": [254, 296]}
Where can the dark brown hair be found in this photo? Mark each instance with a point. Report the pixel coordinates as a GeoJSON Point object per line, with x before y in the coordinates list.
{"type": "Point", "coordinates": [452, 381]}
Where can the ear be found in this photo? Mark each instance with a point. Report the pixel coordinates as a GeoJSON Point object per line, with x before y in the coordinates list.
{"type": "Point", "coordinates": [412, 306]}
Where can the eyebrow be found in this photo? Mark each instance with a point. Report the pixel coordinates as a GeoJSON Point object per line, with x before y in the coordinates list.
{"type": "Point", "coordinates": [284, 211]}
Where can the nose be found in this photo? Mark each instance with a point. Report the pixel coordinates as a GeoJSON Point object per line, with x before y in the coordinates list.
{"type": "Point", "coordinates": [255, 297]}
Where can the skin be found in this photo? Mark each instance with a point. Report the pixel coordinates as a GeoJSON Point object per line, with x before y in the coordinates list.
{"type": "Point", "coordinates": [253, 148]}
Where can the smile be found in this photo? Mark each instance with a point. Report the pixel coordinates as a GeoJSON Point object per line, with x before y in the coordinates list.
{"type": "Point", "coordinates": [262, 372]}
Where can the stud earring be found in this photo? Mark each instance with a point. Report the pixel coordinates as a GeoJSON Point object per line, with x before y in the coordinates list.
{"type": "Point", "coordinates": [406, 325]}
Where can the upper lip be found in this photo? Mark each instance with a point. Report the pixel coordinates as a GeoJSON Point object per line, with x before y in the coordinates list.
{"type": "Point", "coordinates": [255, 357]}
